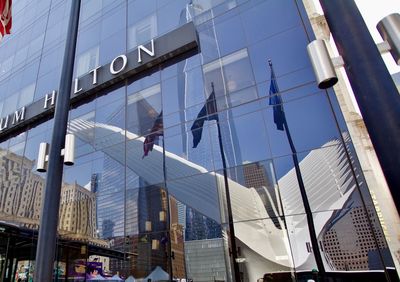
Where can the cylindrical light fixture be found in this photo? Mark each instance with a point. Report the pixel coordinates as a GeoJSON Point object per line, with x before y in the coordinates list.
{"type": "Point", "coordinates": [69, 150]}
{"type": "Point", "coordinates": [389, 29]}
{"type": "Point", "coordinates": [83, 249]}
{"type": "Point", "coordinates": [155, 244]}
{"type": "Point", "coordinates": [41, 165]}
{"type": "Point", "coordinates": [163, 216]}
{"type": "Point", "coordinates": [322, 64]}
{"type": "Point", "coordinates": [148, 226]}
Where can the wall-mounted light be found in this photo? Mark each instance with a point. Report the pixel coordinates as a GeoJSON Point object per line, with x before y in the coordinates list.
{"type": "Point", "coordinates": [163, 216]}
{"type": "Point", "coordinates": [69, 149]}
{"type": "Point", "coordinates": [41, 165]}
{"type": "Point", "coordinates": [68, 153]}
{"type": "Point", "coordinates": [83, 249]}
{"type": "Point", "coordinates": [389, 29]}
{"type": "Point", "coordinates": [155, 244]}
{"type": "Point", "coordinates": [147, 226]}
{"type": "Point", "coordinates": [324, 66]}
{"type": "Point", "coordinates": [321, 63]}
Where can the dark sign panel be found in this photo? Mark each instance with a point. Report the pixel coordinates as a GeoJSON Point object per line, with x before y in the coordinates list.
{"type": "Point", "coordinates": [169, 48]}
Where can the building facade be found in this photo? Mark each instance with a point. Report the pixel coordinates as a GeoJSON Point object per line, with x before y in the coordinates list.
{"type": "Point", "coordinates": [162, 137]}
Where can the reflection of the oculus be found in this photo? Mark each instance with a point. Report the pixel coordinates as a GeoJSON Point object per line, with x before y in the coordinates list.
{"type": "Point", "coordinates": [270, 226]}
{"type": "Point", "coordinates": [257, 205]}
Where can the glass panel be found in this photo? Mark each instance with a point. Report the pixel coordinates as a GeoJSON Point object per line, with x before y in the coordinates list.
{"type": "Point", "coordinates": [112, 47]}
{"type": "Point", "coordinates": [349, 242]}
{"type": "Point", "coordinates": [144, 107]}
{"type": "Point", "coordinates": [300, 244]}
{"type": "Point", "coordinates": [169, 16]}
{"type": "Point", "coordinates": [230, 34]}
{"type": "Point", "coordinates": [142, 31]}
{"type": "Point", "coordinates": [147, 237]}
{"type": "Point", "coordinates": [47, 83]}
{"type": "Point", "coordinates": [229, 74]}
{"type": "Point", "coordinates": [273, 16]}
{"type": "Point", "coordinates": [33, 188]}
{"type": "Point", "coordinates": [264, 251]}
{"type": "Point", "coordinates": [10, 104]}
{"type": "Point", "coordinates": [113, 22]}
{"type": "Point", "coordinates": [90, 10]}
{"type": "Point", "coordinates": [310, 122]}
{"type": "Point", "coordinates": [288, 54]}
{"type": "Point", "coordinates": [88, 38]}
{"type": "Point", "coordinates": [87, 61]}
{"type": "Point", "coordinates": [26, 95]}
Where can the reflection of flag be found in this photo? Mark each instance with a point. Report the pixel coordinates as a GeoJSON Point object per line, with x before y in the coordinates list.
{"type": "Point", "coordinates": [208, 112]}
{"type": "Point", "coordinates": [5, 17]}
{"type": "Point", "coordinates": [276, 100]}
{"type": "Point", "coordinates": [164, 240]}
{"type": "Point", "coordinates": [156, 131]}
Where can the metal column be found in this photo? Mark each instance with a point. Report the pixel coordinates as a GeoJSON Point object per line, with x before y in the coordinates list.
{"type": "Point", "coordinates": [374, 89]}
{"type": "Point", "coordinates": [46, 247]}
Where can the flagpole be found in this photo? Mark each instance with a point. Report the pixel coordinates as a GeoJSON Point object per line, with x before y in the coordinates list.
{"type": "Point", "coordinates": [228, 202]}
{"type": "Point", "coordinates": [169, 241]}
{"type": "Point", "coordinates": [46, 246]}
{"type": "Point", "coordinates": [307, 208]}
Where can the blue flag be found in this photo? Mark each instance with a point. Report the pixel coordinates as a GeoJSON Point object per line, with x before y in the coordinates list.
{"type": "Point", "coordinates": [208, 112]}
{"type": "Point", "coordinates": [276, 101]}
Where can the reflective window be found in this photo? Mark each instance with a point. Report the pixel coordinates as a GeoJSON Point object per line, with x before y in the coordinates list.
{"type": "Point", "coordinates": [142, 32]}
{"type": "Point", "coordinates": [204, 168]}
{"type": "Point", "coordinates": [87, 61]}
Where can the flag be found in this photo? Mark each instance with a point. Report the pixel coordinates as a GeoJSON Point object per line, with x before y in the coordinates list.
{"type": "Point", "coordinates": [208, 112]}
{"type": "Point", "coordinates": [276, 101]}
{"type": "Point", "coordinates": [155, 132]}
{"type": "Point", "coordinates": [144, 239]}
{"type": "Point", "coordinates": [5, 17]}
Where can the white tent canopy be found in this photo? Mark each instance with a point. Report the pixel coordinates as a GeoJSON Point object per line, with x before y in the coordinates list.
{"type": "Point", "coordinates": [158, 274]}
{"type": "Point", "coordinates": [130, 279]}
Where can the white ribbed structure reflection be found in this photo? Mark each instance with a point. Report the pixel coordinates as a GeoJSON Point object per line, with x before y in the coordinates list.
{"type": "Point", "coordinates": [196, 187]}
{"type": "Point", "coordinates": [325, 171]}
{"type": "Point", "coordinates": [329, 184]}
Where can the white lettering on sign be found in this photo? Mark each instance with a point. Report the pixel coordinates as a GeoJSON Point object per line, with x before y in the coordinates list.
{"type": "Point", "coordinates": [124, 62]}
{"type": "Point", "coordinates": [76, 86]}
{"type": "Point", "coordinates": [94, 71]}
{"type": "Point", "coordinates": [19, 115]}
{"type": "Point", "coordinates": [147, 51]}
{"type": "Point", "coordinates": [3, 123]}
{"type": "Point", "coordinates": [49, 97]}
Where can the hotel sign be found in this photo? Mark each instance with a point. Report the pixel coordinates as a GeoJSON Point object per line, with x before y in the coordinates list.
{"type": "Point", "coordinates": [159, 52]}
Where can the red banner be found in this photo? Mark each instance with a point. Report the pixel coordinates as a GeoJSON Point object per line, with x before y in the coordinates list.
{"type": "Point", "coordinates": [5, 17]}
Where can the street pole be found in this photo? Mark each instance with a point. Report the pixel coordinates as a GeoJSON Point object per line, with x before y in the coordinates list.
{"type": "Point", "coordinates": [373, 87]}
{"type": "Point", "coordinates": [46, 247]}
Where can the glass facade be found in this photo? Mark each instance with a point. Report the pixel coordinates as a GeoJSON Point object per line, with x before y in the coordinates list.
{"type": "Point", "coordinates": [143, 199]}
